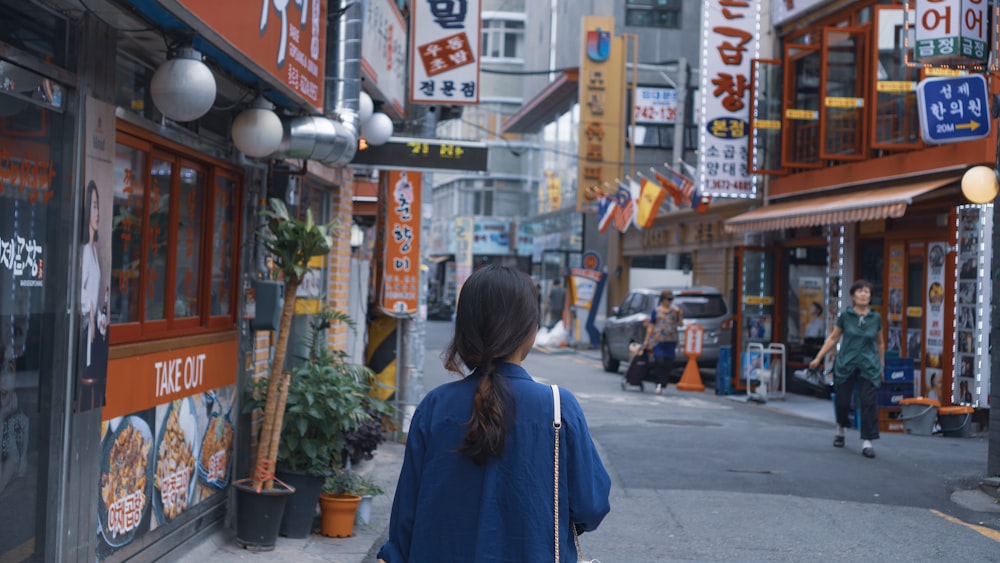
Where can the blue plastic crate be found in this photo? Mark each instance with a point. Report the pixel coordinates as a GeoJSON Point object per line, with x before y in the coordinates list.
{"type": "Point", "coordinates": [889, 395]}
{"type": "Point", "coordinates": [898, 370]}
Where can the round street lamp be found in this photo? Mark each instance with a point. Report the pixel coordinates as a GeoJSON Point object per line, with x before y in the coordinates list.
{"type": "Point", "coordinates": [980, 184]}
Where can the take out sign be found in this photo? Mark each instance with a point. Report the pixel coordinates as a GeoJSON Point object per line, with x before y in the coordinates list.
{"type": "Point", "coordinates": [141, 382]}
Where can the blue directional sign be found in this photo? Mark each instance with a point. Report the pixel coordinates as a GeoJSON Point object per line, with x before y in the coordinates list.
{"type": "Point", "coordinates": [953, 109]}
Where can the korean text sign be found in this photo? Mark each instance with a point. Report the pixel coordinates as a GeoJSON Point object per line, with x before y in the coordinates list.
{"type": "Point", "coordinates": [729, 44]}
{"type": "Point", "coordinates": [601, 146]}
{"type": "Point", "coordinates": [444, 45]}
{"type": "Point", "coordinates": [383, 50]}
{"type": "Point", "coordinates": [286, 40]}
{"type": "Point", "coordinates": [401, 269]}
{"type": "Point", "coordinates": [952, 31]}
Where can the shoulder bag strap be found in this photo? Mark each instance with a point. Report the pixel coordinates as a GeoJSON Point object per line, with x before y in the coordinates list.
{"type": "Point", "coordinates": [556, 425]}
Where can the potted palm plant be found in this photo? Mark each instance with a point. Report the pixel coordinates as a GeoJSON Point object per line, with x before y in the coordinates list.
{"type": "Point", "coordinates": [292, 242]}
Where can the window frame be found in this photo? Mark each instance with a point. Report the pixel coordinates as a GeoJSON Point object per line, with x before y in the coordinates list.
{"type": "Point", "coordinates": [493, 35]}
{"type": "Point", "coordinates": [861, 89]}
{"type": "Point", "coordinates": [632, 6]}
{"type": "Point", "coordinates": [204, 322]}
{"type": "Point", "coordinates": [874, 93]}
{"type": "Point", "coordinates": [756, 80]}
{"type": "Point", "coordinates": [789, 88]}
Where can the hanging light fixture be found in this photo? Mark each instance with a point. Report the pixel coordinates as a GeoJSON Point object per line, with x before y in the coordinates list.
{"type": "Point", "coordinates": [377, 129]}
{"type": "Point", "coordinates": [980, 184]}
{"type": "Point", "coordinates": [257, 130]}
{"type": "Point", "coordinates": [365, 107]}
{"type": "Point", "coordinates": [183, 87]}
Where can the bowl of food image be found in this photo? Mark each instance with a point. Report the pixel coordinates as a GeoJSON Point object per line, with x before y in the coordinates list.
{"type": "Point", "coordinates": [126, 479]}
{"type": "Point", "coordinates": [176, 455]}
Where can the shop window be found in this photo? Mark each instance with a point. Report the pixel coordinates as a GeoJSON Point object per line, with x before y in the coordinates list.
{"type": "Point", "coordinates": [896, 123]}
{"type": "Point", "coordinates": [482, 203]}
{"type": "Point", "coordinates": [843, 112]}
{"type": "Point", "coordinates": [871, 267]}
{"type": "Point", "coordinates": [801, 106]}
{"type": "Point", "coordinates": [765, 117]}
{"type": "Point", "coordinates": [653, 13]}
{"type": "Point", "coordinates": [168, 277]}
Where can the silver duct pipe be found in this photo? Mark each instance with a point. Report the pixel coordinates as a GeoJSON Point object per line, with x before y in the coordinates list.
{"type": "Point", "coordinates": [332, 140]}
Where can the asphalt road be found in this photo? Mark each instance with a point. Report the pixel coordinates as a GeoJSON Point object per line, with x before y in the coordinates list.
{"type": "Point", "coordinates": [698, 477]}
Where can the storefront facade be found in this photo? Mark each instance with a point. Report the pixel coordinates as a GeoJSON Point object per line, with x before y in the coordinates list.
{"type": "Point", "coordinates": [127, 250]}
{"type": "Point", "coordinates": [854, 193]}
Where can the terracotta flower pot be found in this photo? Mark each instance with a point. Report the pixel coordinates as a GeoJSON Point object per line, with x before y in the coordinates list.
{"type": "Point", "coordinates": [338, 514]}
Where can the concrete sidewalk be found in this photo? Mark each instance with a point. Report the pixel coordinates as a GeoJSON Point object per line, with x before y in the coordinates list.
{"type": "Point", "coordinates": [361, 547]}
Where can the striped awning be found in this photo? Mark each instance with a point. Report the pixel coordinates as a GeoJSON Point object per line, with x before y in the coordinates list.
{"type": "Point", "coordinates": [879, 203]}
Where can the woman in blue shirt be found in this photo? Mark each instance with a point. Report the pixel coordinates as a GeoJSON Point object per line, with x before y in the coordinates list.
{"type": "Point", "coordinates": [477, 476]}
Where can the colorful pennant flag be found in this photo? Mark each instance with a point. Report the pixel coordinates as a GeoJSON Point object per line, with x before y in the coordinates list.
{"type": "Point", "coordinates": [605, 212]}
{"type": "Point", "coordinates": [624, 208]}
{"type": "Point", "coordinates": [681, 187]}
{"type": "Point", "coordinates": [634, 190]}
{"type": "Point", "coordinates": [650, 199]}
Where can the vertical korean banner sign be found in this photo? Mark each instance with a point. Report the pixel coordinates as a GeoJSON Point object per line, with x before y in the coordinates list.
{"type": "Point", "coordinates": [934, 316]}
{"type": "Point", "coordinates": [445, 45]}
{"type": "Point", "coordinates": [401, 266]}
{"type": "Point", "coordinates": [95, 254]}
{"type": "Point", "coordinates": [729, 43]}
{"type": "Point", "coordinates": [601, 146]}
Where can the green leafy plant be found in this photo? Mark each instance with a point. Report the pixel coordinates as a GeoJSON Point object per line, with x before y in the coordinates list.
{"type": "Point", "coordinates": [293, 242]}
{"type": "Point", "coordinates": [344, 481]}
{"type": "Point", "coordinates": [327, 399]}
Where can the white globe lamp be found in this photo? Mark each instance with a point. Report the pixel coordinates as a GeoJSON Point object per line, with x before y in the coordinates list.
{"type": "Point", "coordinates": [365, 107]}
{"type": "Point", "coordinates": [979, 184]}
{"type": "Point", "coordinates": [377, 129]}
{"type": "Point", "coordinates": [183, 88]}
{"type": "Point", "coordinates": [257, 130]}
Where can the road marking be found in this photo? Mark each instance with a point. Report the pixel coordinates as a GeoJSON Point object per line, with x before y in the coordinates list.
{"type": "Point", "coordinates": [992, 534]}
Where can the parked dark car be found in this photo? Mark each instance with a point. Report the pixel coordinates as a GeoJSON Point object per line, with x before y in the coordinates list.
{"type": "Point", "coordinates": [704, 305]}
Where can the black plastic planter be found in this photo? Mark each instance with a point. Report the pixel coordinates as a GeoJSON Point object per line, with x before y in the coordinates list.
{"type": "Point", "coordinates": [258, 515]}
{"type": "Point", "coordinates": [300, 510]}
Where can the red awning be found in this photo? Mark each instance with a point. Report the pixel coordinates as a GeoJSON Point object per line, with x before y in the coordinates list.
{"type": "Point", "coordinates": [878, 203]}
{"type": "Point", "coordinates": [554, 99]}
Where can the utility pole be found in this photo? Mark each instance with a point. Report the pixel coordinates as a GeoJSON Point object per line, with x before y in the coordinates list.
{"type": "Point", "coordinates": [682, 87]}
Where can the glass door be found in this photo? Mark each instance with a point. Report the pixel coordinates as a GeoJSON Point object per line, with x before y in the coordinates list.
{"type": "Point", "coordinates": [755, 306]}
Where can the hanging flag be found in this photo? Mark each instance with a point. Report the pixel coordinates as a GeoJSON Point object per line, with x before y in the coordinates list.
{"type": "Point", "coordinates": [680, 186]}
{"type": "Point", "coordinates": [650, 199]}
{"type": "Point", "coordinates": [624, 208]}
{"type": "Point", "coordinates": [605, 212]}
{"type": "Point", "coordinates": [685, 183]}
{"type": "Point", "coordinates": [635, 190]}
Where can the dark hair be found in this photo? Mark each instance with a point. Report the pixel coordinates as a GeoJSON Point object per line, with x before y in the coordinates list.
{"type": "Point", "coordinates": [85, 231]}
{"type": "Point", "coordinates": [818, 306]}
{"type": "Point", "coordinates": [666, 295]}
{"type": "Point", "coordinates": [497, 310]}
{"type": "Point", "coordinates": [860, 284]}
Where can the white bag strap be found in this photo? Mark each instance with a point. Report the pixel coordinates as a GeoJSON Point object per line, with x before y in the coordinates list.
{"type": "Point", "coordinates": [556, 425]}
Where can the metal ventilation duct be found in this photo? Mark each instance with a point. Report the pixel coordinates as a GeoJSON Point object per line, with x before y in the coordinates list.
{"type": "Point", "coordinates": [332, 140]}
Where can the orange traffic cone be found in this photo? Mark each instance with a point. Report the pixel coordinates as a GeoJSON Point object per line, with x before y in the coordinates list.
{"type": "Point", "coordinates": [691, 379]}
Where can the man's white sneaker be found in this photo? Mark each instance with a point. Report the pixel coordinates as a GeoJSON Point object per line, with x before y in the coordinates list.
{"type": "Point", "coordinates": [659, 389]}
